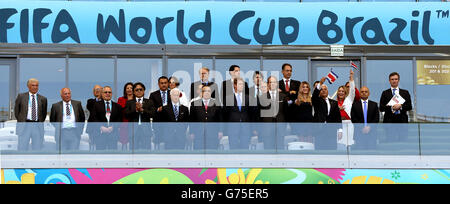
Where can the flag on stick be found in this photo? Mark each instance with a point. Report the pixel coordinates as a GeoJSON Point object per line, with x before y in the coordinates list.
{"type": "Point", "coordinates": [332, 77]}
{"type": "Point", "coordinates": [354, 65]}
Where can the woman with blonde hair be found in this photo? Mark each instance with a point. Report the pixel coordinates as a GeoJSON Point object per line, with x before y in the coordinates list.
{"type": "Point", "coordinates": [303, 113]}
{"type": "Point", "coordinates": [345, 98]}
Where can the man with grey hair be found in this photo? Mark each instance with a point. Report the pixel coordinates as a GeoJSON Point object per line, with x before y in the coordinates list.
{"type": "Point", "coordinates": [204, 80]}
{"type": "Point", "coordinates": [67, 116]}
{"type": "Point", "coordinates": [97, 92]}
{"type": "Point", "coordinates": [175, 116]}
{"type": "Point", "coordinates": [30, 111]}
{"type": "Point", "coordinates": [326, 112]}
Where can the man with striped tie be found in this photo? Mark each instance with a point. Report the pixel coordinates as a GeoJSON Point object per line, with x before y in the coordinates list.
{"type": "Point", "coordinates": [175, 117]}
{"type": "Point", "coordinates": [30, 111]}
{"type": "Point", "coordinates": [67, 116]}
{"type": "Point", "coordinates": [396, 114]}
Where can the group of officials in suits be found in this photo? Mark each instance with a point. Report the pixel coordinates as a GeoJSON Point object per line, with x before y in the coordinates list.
{"type": "Point", "coordinates": [163, 119]}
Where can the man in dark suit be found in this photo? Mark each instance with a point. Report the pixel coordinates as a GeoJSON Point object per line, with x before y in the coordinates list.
{"type": "Point", "coordinates": [365, 115]}
{"type": "Point", "coordinates": [107, 116]}
{"type": "Point", "coordinates": [273, 106]}
{"type": "Point", "coordinates": [398, 113]}
{"type": "Point", "coordinates": [204, 80]}
{"type": "Point", "coordinates": [67, 116]}
{"type": "Point", "coordinates": [228, 85]}
{"type": "Point", "coordinates": [139, 112]}
{"type": "Point", "coordinates": [326, 112]}
{"type": "Point", "coordinates": [175, 117]}
{"type": "Point", "coordinates": [238, 116]}
{"type": "Point", "coordinates": [289, 87]}
{"type": "Point", "coordinates": [97, 91]}
{"type": "Point", "coordinates": [206, 115]}
{"type": "Point", "coordinates": [159, 99]}
{"type": "Point", "coordinates": [30, 111]}
{"type": "Point", "coordinates": [255, 93]}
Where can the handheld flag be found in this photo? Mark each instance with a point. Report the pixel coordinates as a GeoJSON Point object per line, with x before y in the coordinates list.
{"type": "Point", "coordinates": [354, 65]}
{"type": "Point", "coordinates": [332, 77]}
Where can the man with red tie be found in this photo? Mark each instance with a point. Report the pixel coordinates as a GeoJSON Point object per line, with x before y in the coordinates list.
{"type": "Point", "coordinates": [206, 115]}
{"type": "Point", "coordinates": [288, 86]}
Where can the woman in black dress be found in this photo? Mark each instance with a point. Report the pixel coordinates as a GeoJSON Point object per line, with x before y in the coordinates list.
{"type": "Point", "coordinates": [303, 113]}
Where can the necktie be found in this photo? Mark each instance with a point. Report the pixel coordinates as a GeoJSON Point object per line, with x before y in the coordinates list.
{"type": "Point", "coordinates": [239, 102]}
{"type": "Point", "coordinates": [206, 105]}
{"type": "Point", "coordinates": [257, 92]}
{"type": "Point", "coordinates": [393, 93]}
{"type": "Point", "coordinates": [108, 108]}
{"type": "Point", "coordinates": [68, 110]}
{"type": "Point", "coordinates": [287, 85]}
{"type": "Point", "coordinates": [164, 97]}
{"type": "Point", "coordinates": [176, 112]}
{"type": "Point", "coordinates": [365, 113]}
{"type": "Point", "coordinates": [33, 108]}
{"type": "Point", "coordinates": [139, 101]}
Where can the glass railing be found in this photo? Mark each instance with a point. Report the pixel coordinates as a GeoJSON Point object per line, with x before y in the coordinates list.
{"type": "Point", "coordinates": [413, 139]}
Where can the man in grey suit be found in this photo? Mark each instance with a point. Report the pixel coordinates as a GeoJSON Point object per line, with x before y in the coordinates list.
{"type": "Point", "coordinates": [30, 111]}
{"type": "Point", "coordinates": [67, 116]}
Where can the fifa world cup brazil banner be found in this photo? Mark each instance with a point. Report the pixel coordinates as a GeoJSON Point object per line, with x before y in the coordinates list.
{"type": "Point", "coordinates": [220, 23]}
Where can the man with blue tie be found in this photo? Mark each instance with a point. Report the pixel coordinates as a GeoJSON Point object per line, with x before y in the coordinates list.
{"type": "Point", "coordinates": [160, 98]}
{"type": "Point", "coordinates": [398, 113]}
{"type": "Point", "coordinates": [365, 116]}
{"type": "Point", "coordinates": [237, 115]}
{"type": "Point", "coordinates": [175, 117]}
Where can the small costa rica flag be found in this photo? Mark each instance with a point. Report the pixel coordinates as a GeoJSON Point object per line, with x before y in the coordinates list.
{"type": "Point", "coordinates": [332, 77]}
{"type": "Point", "coordinates": [354, 65]}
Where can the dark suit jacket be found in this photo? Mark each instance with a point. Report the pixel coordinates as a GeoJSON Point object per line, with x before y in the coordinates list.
{"type": "Point", "coordinates": [21, 111]}
{"type": "Point", "coordinates": [57, 115]}
{"type": "Point", "coordinates": [90, 104]}
{"type": "Point", "coordinates": [133, 116]}
{"type": "Point", "coordinates": [321, 109]}
{"type": "Point", "coordinates": [227, 90]}
{"type": "Point", "coordinates": [90, 107]}
{"type": "Point", "coordinates": [214, 89]}
{"type": "Point", "coordinates": [174, 131]}
{"type": "Point", "coordinates": [373, 113]}
{"type": "Point", "coordinates": [232, 113]}
{"type": "Point", "coordinates": [389, 117]}
{"type": "Point", "coordinates": [99, 116]}
{"type": "Point", "coordinates": [168, 114]}
{"type": "Point", "coordinates": [157, 102]}
{"type": "Point", "coordinates": [199, 114]}
{"type": "Point", "coordinates": [293, 86]}
{"type": "Point", "coordinates": [268, 112]}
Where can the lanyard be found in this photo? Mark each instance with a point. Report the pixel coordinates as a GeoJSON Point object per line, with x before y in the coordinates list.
{"type": "Point", "coordinates": [71, 110]}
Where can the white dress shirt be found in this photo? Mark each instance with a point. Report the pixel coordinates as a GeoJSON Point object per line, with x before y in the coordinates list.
{"type": "Point", "coordinates": [68, 121]}
{"type": "Point", "coordinates": [141, 101]}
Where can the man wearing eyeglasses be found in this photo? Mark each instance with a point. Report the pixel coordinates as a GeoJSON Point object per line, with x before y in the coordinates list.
{"type": "Point", "coordinates": [107, 116]}
{"type": "Point", "coordinates": [139, 112]}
